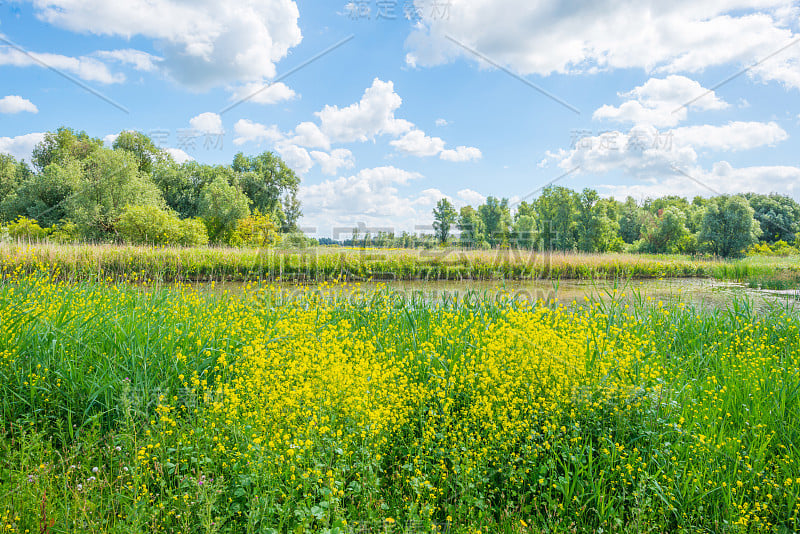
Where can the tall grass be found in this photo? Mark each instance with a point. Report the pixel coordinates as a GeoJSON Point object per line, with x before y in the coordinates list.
{"type": "Point", "coordinates": [320, 413]}
{"type": "Point", "coordinates": [77, 262]}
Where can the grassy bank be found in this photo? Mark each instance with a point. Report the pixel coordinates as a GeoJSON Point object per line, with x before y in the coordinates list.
{"type": "Point", "coordinates": [78, 262]}
{"type": "Point", "coordinates": [173, 410]}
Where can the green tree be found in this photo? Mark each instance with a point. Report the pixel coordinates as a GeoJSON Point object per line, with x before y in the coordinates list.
{"type": "Point", "coordinates": [444, 216]}
{"type": "Point", "coordinates": [142, 147]}
{"type": "Point", "coordinates": [525, 231]}
{"type": "Point", "coordinates": [111, 182]}
{"type": "Point", "coordinates": [471, 227]}
{"type": "Point", "coordinates": [43, 196]}
{"type": "Point", "coordinates": [221, 207]}
{"type": "Point", "coordinates": [596, 229]}
{"type": "Point", "coordinates": [630, 221]}
{"type": "Point", "coordinates": [496, 218]}
{"type": "Point", "coordinates": [62, 145]}
{"type": "Point", "coordinates": [11, 175]}
{"type": "Point", "coordinates": [778, 216]}
{"type": "Point", "coordinates": [557, 208]}
{"type": "Point", "coordinates": [729, 226]}
{"type": "Point", "coordinates": [271, 186]}
{"type": "Point", "coordinates": [524, 209]}
{"type": "Point", "coordinates": [666, 233]}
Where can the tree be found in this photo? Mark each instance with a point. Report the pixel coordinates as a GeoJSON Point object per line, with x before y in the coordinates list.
{"type": "Point", "coordinates": [524, 209]}
{"type": "Point", "coordinates": [557, 207]}
{"type": "Point", "coordinates": [62, 145]}
{"type": "Point", "coordinates": [221, 207]}
{"type": "Point", "coordinates": [10, 175]}
{"type": "Point", "coordinates": [778, 216]}
{"type": "Point", "coordinates": [471, 228]}
{"type": "Point", "coordinates": [596, 229]}
{"type": "Point", "coordinates": [666, 233]}
{"type": "Point", "coordinates": [496, 218]}
{"type": "Point", "coordinates": [271, 187]}
{"type": "Point", "coordinates": [728, 226]}
{"type": "Point", "coordinates": [155, 226]}
{"type": "Point", "coordinates": [525, 231]}
{"type": "Point", "coordinates": [630, 221]}
{"type": "Point", "coordinates": [43, 196]}
{"type": "Point", "coordinates": [444, 216]}
{"type": "Point", "coordinates": [142, 147]}
{"type": "Point", "coordinates": [110, 183]}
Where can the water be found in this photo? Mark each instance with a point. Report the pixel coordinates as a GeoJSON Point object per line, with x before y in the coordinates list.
{"type": "Point", "coordinates": [700, 292]}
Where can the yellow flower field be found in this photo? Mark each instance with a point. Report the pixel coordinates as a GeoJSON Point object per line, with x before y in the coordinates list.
{"type": "Point", "coordinates": [131, 410]}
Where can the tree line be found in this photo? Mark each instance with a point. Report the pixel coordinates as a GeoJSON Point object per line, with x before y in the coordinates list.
{"type": "Point", "coordinates": [77, 189]}
{"type": "Point", "coordinates": [561, 219]}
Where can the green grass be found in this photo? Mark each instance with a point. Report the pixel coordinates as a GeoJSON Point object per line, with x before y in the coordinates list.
{"type": "Point", "coordinates": [80, 262]}
{"type": "Point", "coordinates": [685, 420]}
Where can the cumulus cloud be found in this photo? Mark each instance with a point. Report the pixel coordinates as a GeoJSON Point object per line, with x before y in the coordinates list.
{"type": "Point", "coordinates": [248, 131]}
{"type": "Point", "coordinates": [735, 135]}
{"type": "Point", "coordinates": [371, 117]}
{"type": "Point", "coordinates": [368, 118]}
{"type": "Point", "coordinates": [331, 162]}
{"type": "Point", "coordinates": [16, 104]}
{"type": "Point", "coordinates": [371, 196]}
{"type": "Point", "coordinates": [203, 43]}
{"type": "Point", "coordinates": [138, 59]}
{"type": "Point", "coordinates": [85, 68]}
{"type": "Point", "coordinates": [263, 92]}
{"type": "Point", "coordinates": [20, 146]}
{"type": "Point", "coordinates": [553, 37]}
{"type": "Point", "coordinates": [208, 122]}
{"type": "Point", "coordinates": [461, 153]}
{"type": "Point", "coordinates": [416, 143]}
{"type": "Point", "coordinates": [179, 155]}
{"type": "Point", "coordinates": [661, 102]}
{"type": "Point", "coordinates": [470, 197]}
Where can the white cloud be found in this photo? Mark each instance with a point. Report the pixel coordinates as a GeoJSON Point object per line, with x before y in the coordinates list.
{"type": "Point", "coordinates": [208, 122]}
{"type": "Point", "coordinates": [732, 136]}
{"type": "Point", "coordinates": [549, 36]}
{"type": "Point", "coordinates": [722, 178]}
{"type": "Point", "coordinates": [86, 68]}
{"type": "Point", "coordinates": [296, 157]}
{"type": "Point", "coordinates": [109, 139]}
{"type": "Point", "coordinates": [248, 131]}
{"type": "Point", "coordinates": [136, 58]}
{"type": "Point", "coordinates": [203, 43]}
{"type": "Point", "coordinates": [309, 135]}
{"type": "Point", "coordinates": [21, 146]}
{"type": "Point", "coordinates": [263, 92]}
{"type": "Point", "coordinates": [371, 196]}
{"type": "Point", "coordinates": [470, 197]}
{"type": "Point", "coordinates": [179, 155]}
{"type": "Point", "coordinates": [331, 162]}
{"type": "Point", "coordinates": [416, 143]}
{"type": "Point", "coordinates": [661, 102]}
{"type": "Point", "coordinates": [16, 104]}
{"type": "Point", "coordinates": [372, 116]}
{"type": "Point", "coordinates": [441, 122]}
{"type": "Point", "coordinates": [461, 153]}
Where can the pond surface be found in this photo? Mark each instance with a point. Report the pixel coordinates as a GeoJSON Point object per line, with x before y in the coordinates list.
{"type": "Point", "coordinates": [700, 292]}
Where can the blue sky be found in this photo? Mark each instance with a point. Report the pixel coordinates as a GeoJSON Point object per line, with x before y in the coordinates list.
{"type": "Point", "coordinates": [424, 99]}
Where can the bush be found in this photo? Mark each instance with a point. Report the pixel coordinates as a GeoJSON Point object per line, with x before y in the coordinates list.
{"type": "Point", "coordinates": [66, 232]}
{"type": "Point", "coordinates": [150, 225]}
{"type": "Point", "coordinates": [193, 233]}
{"type": "Point", "coordinates": [257, 230]}
{"type": "Point", "coordinates": [26, 229]}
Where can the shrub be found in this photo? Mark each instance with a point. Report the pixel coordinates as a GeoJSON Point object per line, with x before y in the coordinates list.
{"type": "Point", "coordinates": [26, 229]}
{"type": "Point", "coordinates": [66, 232]}
{"type": "Point", "coordinates": [151, 225]}
{"type": "Point", "coordinates": [257, 230]}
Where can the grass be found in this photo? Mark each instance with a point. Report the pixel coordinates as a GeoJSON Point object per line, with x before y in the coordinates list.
{"type": "Point", "coordinates": [78, 262]}
{"type": "Point", "coordinates": [171, 410]}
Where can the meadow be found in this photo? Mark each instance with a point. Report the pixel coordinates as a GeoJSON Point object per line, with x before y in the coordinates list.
{"type": "Point", "coordinates": [206, 264]}
{"type": "Point", "coordinates": [129, 408]}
